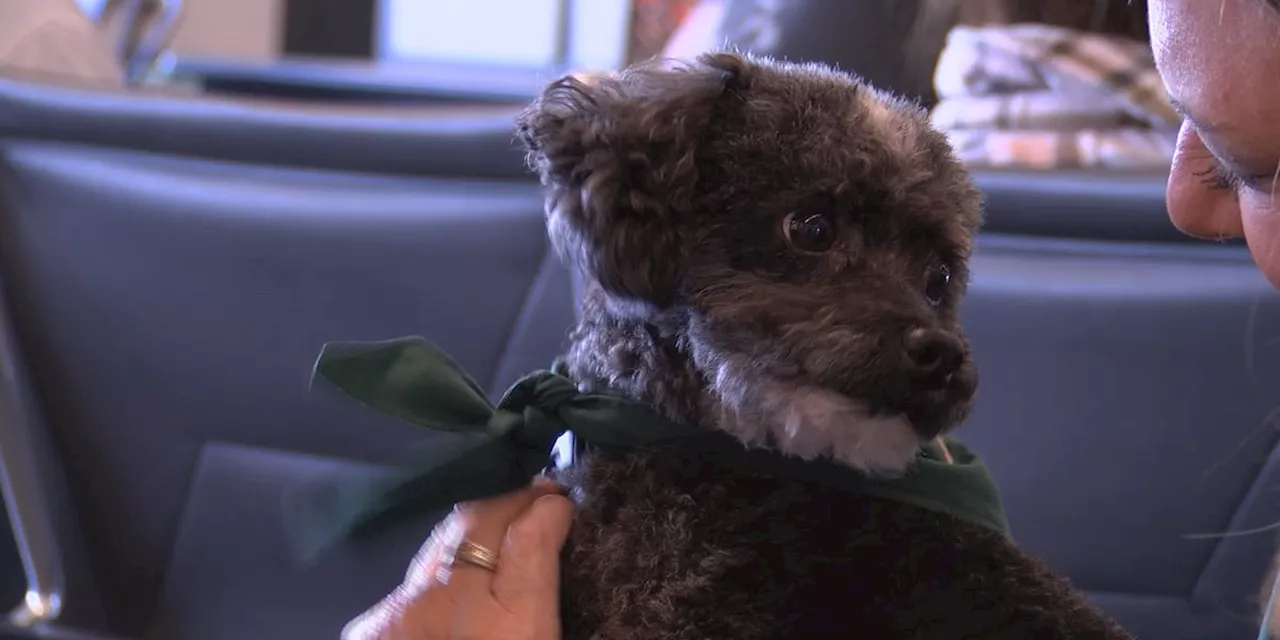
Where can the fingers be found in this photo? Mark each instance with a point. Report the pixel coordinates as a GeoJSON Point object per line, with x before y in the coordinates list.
{"type": "Point", "coordinates": [529, 573]}
{"type": "Point", "coordinates": [423, 567]}
{"type": "Point", "coordinates": [387, 620]}
{"type": "Point", "coordinates": [485, 522]}
{"type": "Point", "coordinates": [397, 615]}
{"type": "Point", "coordinates": [426, 607]}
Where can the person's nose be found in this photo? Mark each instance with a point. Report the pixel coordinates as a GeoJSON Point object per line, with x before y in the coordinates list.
{"type": "Point", "coordinates": [1195, 205]}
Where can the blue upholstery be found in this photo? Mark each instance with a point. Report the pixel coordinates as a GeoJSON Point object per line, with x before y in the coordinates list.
{"type": "Point", "coordinates": [1123, 409]}
{"type": "Point", "coordinates": [173, 267]}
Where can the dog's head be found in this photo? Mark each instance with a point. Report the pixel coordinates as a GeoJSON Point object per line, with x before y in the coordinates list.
{"type": "Point", "coordinates": [807, 233]}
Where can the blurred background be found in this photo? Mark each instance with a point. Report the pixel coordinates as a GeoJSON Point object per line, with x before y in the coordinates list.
{"type": "Point", "coordinates": [196, 195]}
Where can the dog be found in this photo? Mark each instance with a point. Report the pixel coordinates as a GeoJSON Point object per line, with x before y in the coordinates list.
{"type": "Point", "coordinates": [778, 251]}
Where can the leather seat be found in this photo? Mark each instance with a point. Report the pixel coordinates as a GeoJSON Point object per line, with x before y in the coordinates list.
{"type": "Point", "coordinates": [470, 141]}
{"type": "Point", "coordinates": [172, 267]}
{"type": "Point", "coordinates": [1127, 400]}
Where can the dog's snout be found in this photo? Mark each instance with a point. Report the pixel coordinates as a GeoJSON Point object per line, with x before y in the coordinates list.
{"type": "Point", "coordinates": [933, 354]}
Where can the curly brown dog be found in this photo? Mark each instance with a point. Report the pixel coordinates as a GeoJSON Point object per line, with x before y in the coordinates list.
{"type": "Point", "coordinates": [777, 251]}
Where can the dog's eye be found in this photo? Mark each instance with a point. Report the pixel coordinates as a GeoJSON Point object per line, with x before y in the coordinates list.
{"type": "Point", "coordinates": [811, 233]}
{"type": "Point", "coordinates": [936, 284]}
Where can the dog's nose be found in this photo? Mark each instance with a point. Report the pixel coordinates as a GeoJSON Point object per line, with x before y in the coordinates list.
{"type": "Point", "coordinates": [933, 354]}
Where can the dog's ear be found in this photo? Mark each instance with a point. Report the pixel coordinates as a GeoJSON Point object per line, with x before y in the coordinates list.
{"type": "Point", "coordinates": [617, 155]}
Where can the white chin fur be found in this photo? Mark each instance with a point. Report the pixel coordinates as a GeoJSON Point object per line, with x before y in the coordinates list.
{"type": "Point", "coordinates": [811, 422]}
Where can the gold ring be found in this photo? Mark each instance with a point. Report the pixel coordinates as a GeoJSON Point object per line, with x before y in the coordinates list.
{"type": "Point", "coordinates": [476, 555]}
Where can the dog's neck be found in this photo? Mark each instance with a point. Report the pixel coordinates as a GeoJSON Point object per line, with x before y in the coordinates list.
{"type": "Point", "coordinates": [659, 361]}
{"type": "Point", "coordinates": [640, 359]}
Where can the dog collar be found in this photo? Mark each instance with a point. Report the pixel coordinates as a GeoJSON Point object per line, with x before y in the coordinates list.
{"type": "Point", "coordinates": [497, 449]}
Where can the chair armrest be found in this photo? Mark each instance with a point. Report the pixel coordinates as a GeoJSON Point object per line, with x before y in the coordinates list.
{"type": "Point", "coordinates": [335, 81]}
{"type": "Point", "coordinates": [1088, 205]}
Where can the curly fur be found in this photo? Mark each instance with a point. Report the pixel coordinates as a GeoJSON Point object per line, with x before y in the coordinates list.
{"type": "Point", "coordinates": [667, 549]}
{"type": "Point", "coordinates": [671, 187]}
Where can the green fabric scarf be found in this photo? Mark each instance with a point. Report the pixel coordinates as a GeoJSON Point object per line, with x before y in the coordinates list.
{"type": "Point", "coordinates": [499, 449]}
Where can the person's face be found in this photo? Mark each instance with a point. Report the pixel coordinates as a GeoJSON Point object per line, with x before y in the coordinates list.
{"type": "Point", "coordinates": [1221, 62]}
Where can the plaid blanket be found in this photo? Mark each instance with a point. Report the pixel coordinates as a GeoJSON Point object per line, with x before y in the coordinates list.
{"type": "Point", "coordinates": [1044, 97]}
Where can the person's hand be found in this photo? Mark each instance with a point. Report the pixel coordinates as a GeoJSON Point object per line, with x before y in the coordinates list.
{"type": "Point", "coordinates": [517, 600]}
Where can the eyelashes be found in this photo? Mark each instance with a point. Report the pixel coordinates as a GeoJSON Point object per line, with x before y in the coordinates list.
{"type": "Point", "coordinates": [1218, 175]}
{"type": "Point", "coordinates": [1220, 178]}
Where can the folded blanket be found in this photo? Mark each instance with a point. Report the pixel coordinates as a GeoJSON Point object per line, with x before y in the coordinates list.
{"type": "Point", "coordinates": [1038, 96]}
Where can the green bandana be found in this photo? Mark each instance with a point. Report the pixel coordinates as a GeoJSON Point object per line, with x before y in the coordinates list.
{"type": "Point", "coordinates": [501, 449]}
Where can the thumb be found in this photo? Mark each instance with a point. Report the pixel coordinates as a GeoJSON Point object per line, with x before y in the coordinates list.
{"type": "Point", "coordinates": [529, 565]}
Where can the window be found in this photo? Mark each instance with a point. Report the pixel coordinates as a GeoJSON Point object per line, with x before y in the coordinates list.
{"type": "Point", "coordinates": [510, 33]}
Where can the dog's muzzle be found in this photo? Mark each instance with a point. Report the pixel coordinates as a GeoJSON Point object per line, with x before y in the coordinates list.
{"type": "Point", "coordinates": [938, 381]}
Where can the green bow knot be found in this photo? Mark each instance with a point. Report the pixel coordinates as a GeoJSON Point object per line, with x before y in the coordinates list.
{"type": "Point", "coordinates": [527, 413]}
{"type": "Point", "coordinates": [493, 450]}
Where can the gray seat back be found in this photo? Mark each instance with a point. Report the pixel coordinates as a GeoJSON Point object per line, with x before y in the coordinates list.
{"type": "Point", "coordinates": [172, 267]}
{"type": "Point", "coordinates": [1129, 381]}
